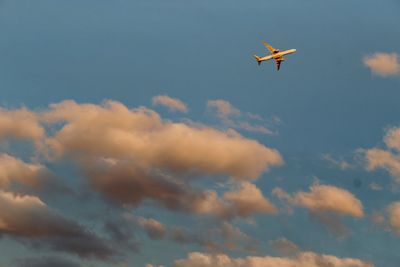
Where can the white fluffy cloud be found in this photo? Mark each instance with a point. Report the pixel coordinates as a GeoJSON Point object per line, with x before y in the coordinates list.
{"type": "Point", "coordinates": [306, 259]}
{"type": "Point", "coordinates": [383, 64]}
{"type": "Point", "coordinates": [172, 103]}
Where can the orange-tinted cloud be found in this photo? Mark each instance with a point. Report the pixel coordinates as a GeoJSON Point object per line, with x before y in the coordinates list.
{"type": "Point", "coordinates": [16, 170]}
{"type": "Point", "coordinates": [386, 159]}
{"type": "Point", "coordinates": [394, 216]}
{"type": "Point", "coordinates": [383, 64]}
{"type": "Point", "coordinates": [20, 124]}
{"type": "Point", "coordinates": [309, 259]}
{"type": "Point", "coordinates": [328, 198]}
{"type": "Point", "coordinates": [140, 135]}
{"type": "Point", "coordinates": [172, 103]}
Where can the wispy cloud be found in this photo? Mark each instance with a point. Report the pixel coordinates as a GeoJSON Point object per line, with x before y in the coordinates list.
{"type": "Point", "coordinates": [284, 246]}
{"type": "Point", "coordinates": [232, 117]}
{"type": "Point", "coordinates": [339, 163]}
{"type": "Point", "coordinates": [383, 64]}
{"type": "Point", "coordinates": [172, 104]}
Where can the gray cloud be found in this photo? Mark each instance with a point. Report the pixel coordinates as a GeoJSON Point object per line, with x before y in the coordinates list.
{"type": "Point", "coordinates": [29, 220]}
{"type": "Point", "coordinates": [284, 246]}
{"type": "Point", "coordinates": [46, 262]}
{"type": "Point", "coordinates": [154, 229]}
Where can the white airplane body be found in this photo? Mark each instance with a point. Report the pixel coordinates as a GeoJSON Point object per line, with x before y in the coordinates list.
{"type": "Point", "coordinates": [276, 54]}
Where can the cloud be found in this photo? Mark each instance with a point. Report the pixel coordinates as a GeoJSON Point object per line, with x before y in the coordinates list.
{"type": "Point", "coordinates": [223, 108]}
{"type": "Point", "coordinates": [325, 203]}
{"type": "Point", "coordinates": [140, 135]}
{"type": "Point", "coordinates": [31, 221]}
{"type": "Point", "coordinates": [341, 164]}
{"type": "Point", "coordinates": [46, 262]}
{"type": "Point", "coordinates": [172, 103]}
{"type": "Point", "coordinates": [230, 232]}
{"type": "Point", "coordinates": [284, 246]}
{"type": "Point", "coordinates": [185, 236]}
{"type": "Point", "coordinates": [375, 186]}
{"type": "Point", "coordinates": [248, 200]}
{"type": "Point", "coordinates": [154, 229]}
{"type": "Point", "coordinates": [121, 234]}
{"type": "Point", "coordinates": [378, 218]}
{"type": "Point", "coordinates": [332, 222]}
{"type": "Point", "coordinates": [125, 184]}
{"type": "Point", "coordinates": [383, 64]}
{"type": "Point", "coordinates": [31, 175]}
{"type": "Point", "coordinates": [392, 138]}
{"type": "Point", "coordinates": [20, 124]}
{"type": "Point", "coordinates": [387, 159]}
{"type": "Point", "coordinates": [394, 216]}
{"type": "Point", "coordinates": [223, 237]}
{"type": "Point", "coordinates": [234, 118]}
{"type": "Point", "coordinates": [328, 198]}
{"type": "Point", "coordinates": [245, 200]}
{"type": "Point", "coordinates": [378, 158]}
{"type": "Point", "coordinates": [309, 259]}
{"type": "Point", "coordinates": [234, 239]}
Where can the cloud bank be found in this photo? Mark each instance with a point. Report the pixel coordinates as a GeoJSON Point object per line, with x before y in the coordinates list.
{"type": "Point", "coordinates": [309, 259]}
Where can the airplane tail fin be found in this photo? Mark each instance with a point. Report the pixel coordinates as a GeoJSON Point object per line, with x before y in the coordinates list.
{"type": "Point", "coordinates": [258, 59]}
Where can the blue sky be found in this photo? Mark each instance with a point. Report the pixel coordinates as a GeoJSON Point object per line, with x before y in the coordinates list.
{"type": "Point", "coordinates": [323, 106]}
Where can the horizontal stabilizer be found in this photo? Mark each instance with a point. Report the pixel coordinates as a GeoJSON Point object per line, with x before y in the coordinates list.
{"type": "Point", "coordinates": [258, 59]}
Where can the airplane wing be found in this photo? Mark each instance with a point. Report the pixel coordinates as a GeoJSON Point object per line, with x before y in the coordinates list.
{"type": "Point", "coordinates": [269, 47]}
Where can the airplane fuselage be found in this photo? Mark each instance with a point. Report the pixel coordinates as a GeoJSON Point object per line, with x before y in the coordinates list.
{"type": "Point", "coordinates": [282, 53]}
{"type": "Point", "coordinates": [278, 55]}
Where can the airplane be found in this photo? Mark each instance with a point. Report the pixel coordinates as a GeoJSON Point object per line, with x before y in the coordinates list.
{"type": "Point", "coordinates": [276, 54]}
